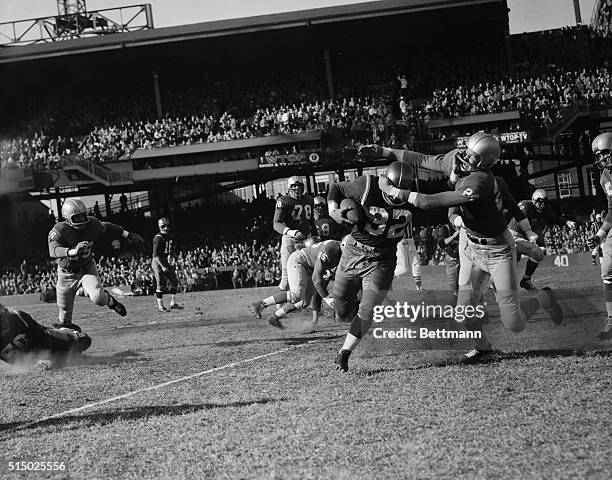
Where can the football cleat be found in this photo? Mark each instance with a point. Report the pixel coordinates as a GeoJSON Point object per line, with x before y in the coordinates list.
{"type": "Point", "coordinates": [117, 306]}
{"type": "Point", "coordinates": [256, 308]}
{"type": "Point", "coordinates": [527, 285]}
{"type": "Point", "coordinates": [553, 309]}
{"type": "Point", "coordinates": [71, 326]}
{"type": "Point", "coordinates": [342, 359]}
{"type": "Point", "coordinates": [162, 309]}
{"type": "Point", "coordinates": [275, 321]}
{"type": "Point", "coordinates": [176, 306]}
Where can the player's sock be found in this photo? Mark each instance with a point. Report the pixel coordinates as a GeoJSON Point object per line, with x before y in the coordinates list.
{"type": "Point", "coordinates": [284, 310]}
{"type": "Point", "coordinates": [417, 282]}
{"type": "Point", "coordinates": [276, 299]}
{"type": "Point", "coordinates": [350, 342]}
{"type": "Point", "coordinates": [608, 297]}
{"type": "Point", "coordinates": [530, 269]}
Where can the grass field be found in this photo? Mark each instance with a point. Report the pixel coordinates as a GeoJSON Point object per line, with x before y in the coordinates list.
{"type": "Point", "coordinates": [210, 392]}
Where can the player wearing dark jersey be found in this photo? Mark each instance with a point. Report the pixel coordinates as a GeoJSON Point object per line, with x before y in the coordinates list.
{"type": "Point", "coordinates": [71, 243]}
{"type": "Point", "coordinates": [294, 220]}
{"type": "Point", "coordinates": [602, 149]}
{"type": "Point", "coordinates": [540, 216]}
{"type": "Point", "coordinates": [309, 270]}
{"type": "Point", "coordinates": [163, 271]}
{"type": "Point", "coordinates": [20, 334]}
{"type": "Point", "coordinates": [488, 249]}
{"type": "Point", "coordinates": [369, 257]}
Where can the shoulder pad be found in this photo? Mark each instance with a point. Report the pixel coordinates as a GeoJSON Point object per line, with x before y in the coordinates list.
{"type": "Point", "coordinates": [284, 201]}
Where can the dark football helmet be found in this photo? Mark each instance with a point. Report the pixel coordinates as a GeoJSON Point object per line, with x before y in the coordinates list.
{"type": "Point", "coordinates": [320, 206]}
{"type": "Point", "coordinates": [75, 213]}
{"type": "Point", "coordinates": [401, 175]}
{"type": "Point", "coordinates": [602, 149]}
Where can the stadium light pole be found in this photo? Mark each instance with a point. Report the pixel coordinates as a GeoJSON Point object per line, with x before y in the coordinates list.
{"type": "Point", "coordinates": [577, 12]}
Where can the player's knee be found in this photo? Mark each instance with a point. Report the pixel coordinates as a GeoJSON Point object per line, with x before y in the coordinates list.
{"type": "Point", "coordinates": [293, 297]}
{"type": "Point", "coordinates": [538, 254]}
{"type": "Point", "coordinates": [99, 297]}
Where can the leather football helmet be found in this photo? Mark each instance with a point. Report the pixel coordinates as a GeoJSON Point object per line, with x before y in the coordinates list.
{"type": "Point", "coordinates": [401, 176]}
{"type": "Point", "coordinates": [295, 187]}
{"type": "Point", "coordinates": [539, 199]}
{"type": "Point", "coordinates": [481, 152]}
{"type": "Point", "coordinates": [602, 149]}
{"type": "Point", "coordinates": [75, 213]}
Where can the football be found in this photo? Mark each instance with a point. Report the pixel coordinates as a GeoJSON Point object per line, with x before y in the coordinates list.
{"type": "Point", "coordinates": [356, 213]}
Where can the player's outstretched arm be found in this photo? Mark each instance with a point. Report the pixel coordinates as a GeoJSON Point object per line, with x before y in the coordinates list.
{"type": "Point", "coordinates": [438, 163]}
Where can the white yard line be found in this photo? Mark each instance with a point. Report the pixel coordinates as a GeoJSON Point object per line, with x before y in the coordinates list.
{"type": "Point", "coordinates": [165, 384]}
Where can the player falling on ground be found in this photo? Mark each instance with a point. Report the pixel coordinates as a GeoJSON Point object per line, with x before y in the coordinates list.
{"type": "Point", "coordinates": [370, 254]}
{"type": "Point", "coordinates": [327, 229]}
{"type": "Point", "coordinates": [602, 149]}
{"type": "Point", "coordinates": [309, 270]}
{"type": "Point", "coordinates": [163, 271]}
{"type": "Point", "coordinates": [71, 243]}
{"type": "Point", "coordinates": [538, 212]}
{"type": "Point", "coordinates": [21, 335]}
{"type": "Point", "coordinates": [486, 245]}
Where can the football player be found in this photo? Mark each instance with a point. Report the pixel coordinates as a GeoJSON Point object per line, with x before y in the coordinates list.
{"type": "Point", "coordinates": [408, 258]}
{"type": "Point", "coordinates": [327, 229]}
{"type": "Point", "coordinates": [294, 220]}
{"type": "Point", "coordinates": [71, 243]}
{"type": "Point", "coordinates": [370, 254]}
{"type": "Point", "coordinates": [602, 149]}
{"type": "Point", "coordinates": [594, 227]}
{"type": "Point", "coordinates": [449, 243]}
{"type": "Point", "coordinates": [163, 271]}
{"type": "Point", "coordinates": [538, 212]}
{"type": "Point", "coordinates": [487, 247]}
{"type": "Point", "coordinates": [20, 334]}
{"type": "Point", "coordinates": [309, 270]}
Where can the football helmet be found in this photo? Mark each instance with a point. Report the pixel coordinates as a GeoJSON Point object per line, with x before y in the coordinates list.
{"type": "Point", "coordinates": [320, 205]}
{"type": "Point", "coordinates": [481, 152]}
{"type": "Point", "coordinates": [602, 149]}
{"type": "Point", "coordinates": [295, 187]}
{"type": "Point", "coordinates": [401, 176]}
{"type": "Point", "coordinates": [163, 224]}
{"type": "Point", "coordinates": [310, 241]}
{"type": "Point", "coordinates": [75, 213]}
{"type": "Point", "coordinates": [539, 199]}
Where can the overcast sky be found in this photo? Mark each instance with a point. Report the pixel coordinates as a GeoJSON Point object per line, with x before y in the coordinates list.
{"type": "Point", "coordinates": [525, 15]}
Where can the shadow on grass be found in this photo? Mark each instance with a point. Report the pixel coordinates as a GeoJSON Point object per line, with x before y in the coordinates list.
{"type": "Point", "coordinates": [126, 414]}
{"type": "Point", "coordinates": [493, 357]}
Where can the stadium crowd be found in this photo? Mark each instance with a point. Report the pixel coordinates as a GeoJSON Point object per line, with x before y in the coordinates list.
{"type": "Point", "coordinates": [547, 80]}
{"type": "Point", "coordinates": [246, 261]}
